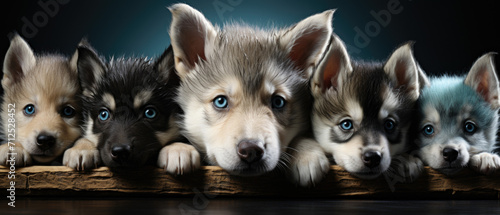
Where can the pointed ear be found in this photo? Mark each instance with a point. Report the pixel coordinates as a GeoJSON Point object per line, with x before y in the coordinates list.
{"type": "Point", "coordinates": [306, 41]}
{"type": "Point", "coordinates": [73, 62]}
{"type": "Point", "coordinates": [423, 80]}
{"type": "Point", "coordinates": [90, 67]}
{"type": "Point", "coordinates": [403, 71]}
{"type": "Point", "coordinates": [165, 63]}
{"type": "Point", "coordinates": [483, 79]}
{"type": "Point", "coordinates": [333, 68]}
{"type": "Point", "coordinates": [191, 35]}
{"type": "Point", "coordinates": [19, 60]}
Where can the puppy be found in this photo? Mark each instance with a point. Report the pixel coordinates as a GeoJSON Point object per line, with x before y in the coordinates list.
{"type": "Point", "coordinates": [40, 108]}
{"type": "Point", "coordinates": [362, 110]}
{"type": "Point", "coordinates": [128, 110]}
{"type": "Point", "coordinates": [458, 120]}
{"type": "Point", "coordinates": [244, 92]}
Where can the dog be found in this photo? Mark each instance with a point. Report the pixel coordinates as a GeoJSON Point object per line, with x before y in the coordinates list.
{"type": "Point", "coordinates": [40, 108]}
{"type": "Point", "coordinates": [458, 120]}
{"type": "Point", "coordinates": [363, 110]}
{"type": "Point", "coordinates": [244, 92]}
{"type": "Point", "coordinates": [128, 109]}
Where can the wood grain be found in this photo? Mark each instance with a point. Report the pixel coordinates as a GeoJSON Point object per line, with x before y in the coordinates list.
{"type": "Point", "coordinates": [211, 181]}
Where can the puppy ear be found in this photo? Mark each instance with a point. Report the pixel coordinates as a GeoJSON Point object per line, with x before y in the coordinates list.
{"type": "Point", "coordinates": [165, 63]}
{"type": "Point", "coordinates": [483, 79]}
{"type": "Point", "coordinates": [403, 71]}
{"type": "Point", "coordinates": [307, 41]}
{"type": "Point", "coordinates": [192, 37]}
{"type": "Point", "coordinates": [90, 67]}
{"type": "Point", "coordinates": [19, 60]}
{"type": "Point", "coordinates": [333, 68]}
{"type": "Point", "coordinates": [423, 80]}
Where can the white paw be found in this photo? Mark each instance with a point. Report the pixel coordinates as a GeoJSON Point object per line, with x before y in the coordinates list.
{"type": "Point", "coordinates": [82, 156]}
{"type": "Point", "coordinates": [485, 163]}
{"type": "Point", "coordinates": [308, 164]}
{"type": "Point", "coordinates": [404, 168]}
{"type": "Point", "coordinates": [21, 156]}
{"type": "Point", "coordinates": [179, 159]}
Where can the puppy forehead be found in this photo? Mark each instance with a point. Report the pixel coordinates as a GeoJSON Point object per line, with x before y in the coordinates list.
{"type": "Point", "coordinates": [142, 98]}
{"type": "Point", "coordinates": [354, 110]}
{"type": "Point", "coordinates": [390, 103]}
{"type": "Point", "coordinates": [109, 101]}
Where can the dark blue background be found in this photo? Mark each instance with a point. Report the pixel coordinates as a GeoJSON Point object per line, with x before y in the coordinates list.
{"type": "Point", "coordinates": [449, 35]}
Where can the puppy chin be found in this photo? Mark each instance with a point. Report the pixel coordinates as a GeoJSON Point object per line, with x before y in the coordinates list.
{"type": "Point", "coordinates": [43, 158]}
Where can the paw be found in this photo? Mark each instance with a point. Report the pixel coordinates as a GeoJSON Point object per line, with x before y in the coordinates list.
{"type": "Point", "coordinates": [82, 156]}
{"type": "Point", "coordinates": [404, 168]}
{"type": "Point", "coordinates": [485, 163]}
{"type": "Point", "coordinates": [22, 158]}
{"type": "Point", "coordinates": [179, 158]}
{"type": "Point", "coordinates": [308, 164]}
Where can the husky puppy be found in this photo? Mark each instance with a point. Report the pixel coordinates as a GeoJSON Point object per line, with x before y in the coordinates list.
{"type": "Point", "coordinates": [458, 120]}
{"type": "Point", "coordinates": [362, 110]}
{"type": "Point", "coordinates": [128, 106]}
{"type": "Point", "coordinates": [40, 108]}
{"type": "Point", "coordinates": [244, 92]}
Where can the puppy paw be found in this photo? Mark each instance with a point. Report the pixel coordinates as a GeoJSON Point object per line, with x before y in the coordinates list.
{"type": "Point", "coordinates": [82, 156]}
{"type": "Point", "coordinates": [485, 163]}
{"type": "Point", "coordinates": [308, 163]}
{"type": "Point", "coordinates": [179, 159]}
{"type": "Point", "coordinates": [18, 157]}
{"type": "Point", "coordinates": [404, 168]}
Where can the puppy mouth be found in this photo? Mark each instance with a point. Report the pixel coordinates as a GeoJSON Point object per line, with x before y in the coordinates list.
{"type": "Point", "coordinates": [253, 169]}
{"type": "Point", "coordinates": [367, 174]}
{"type": "Point", "coordinates": [450, 170]}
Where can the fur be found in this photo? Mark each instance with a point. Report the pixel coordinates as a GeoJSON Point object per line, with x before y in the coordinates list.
{"type": "Point", "coordinates": [128, 110]}
{"type": "Point", "coordinates": [249, 68]}
{"type": "Point", "coordinates": [449, 105]}
{"type": "Point", "coordinates": [48, 83]}
{"type": "Point", "coordinates": [362, 110]}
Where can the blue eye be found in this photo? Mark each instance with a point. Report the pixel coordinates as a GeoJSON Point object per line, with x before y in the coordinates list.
{"type": "Point", "coordinates": [346, 125]}
{"type": "Point", "coordinates": [428, 130]}
{"type": "Point", "coordinates": [277, 102]}
{"type": "Point", "coordinates": [470, 127]}
{"type": "Point", "coordinates": [104, 115]}
{"type": "Point", "coordinates": [68, 111]}
{"type": "Point", "coordinates": [389, 125]}
{"type": "Point", "coordinates": [150, 113]}
{"type": "Point", "coordinates": [220, 102]}
{"type": "Point", "coordinates": [29, 110]}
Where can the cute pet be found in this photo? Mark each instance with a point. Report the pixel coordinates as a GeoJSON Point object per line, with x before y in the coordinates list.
{"type": "Point", "coordinates": [362, 110]}
{"type": "Point", "coordinates": [244, 92]}
{"type": "Point", "coordinates": [458, 120]}
{"type": "Point", "coordinates": [128, 110]}
{"type": "Point", "coordinates": [43, 91]}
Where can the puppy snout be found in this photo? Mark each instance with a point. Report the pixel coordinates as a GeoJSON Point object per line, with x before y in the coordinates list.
{"type": "Point", "coordinates": [450, 154]}
{"type": "Point", "coordinates": [372, 159]}
{"type": "Point", "coordinates": [120, 152]}
{"type": "Point", "coordinates": [45, 141]}
{"type": "Point", "coordinates": [250, 151]}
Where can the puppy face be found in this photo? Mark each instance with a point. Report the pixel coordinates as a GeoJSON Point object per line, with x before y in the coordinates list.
{"type": "Point", "coordinates": [243, 90]}
{"type": "Point", "coordinates": [45, 93]}
{"type": "Point", "coordinates": [128, 105]}
{"type": "Point", "coordinates": [362, 111]}
{"type": "Point", "coordinates": [456, 122]}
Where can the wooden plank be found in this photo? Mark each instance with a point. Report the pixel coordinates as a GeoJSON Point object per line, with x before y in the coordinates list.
{"type": "Point", "coordinates": [212, 181]}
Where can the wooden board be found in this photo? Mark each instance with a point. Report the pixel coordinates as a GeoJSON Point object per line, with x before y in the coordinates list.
{"type": "Point", "coordinates": [212, 182]}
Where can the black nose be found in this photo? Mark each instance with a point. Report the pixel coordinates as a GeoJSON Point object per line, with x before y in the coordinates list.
{"type": "Point", "coordinates": [45, 141]}
{"type": "Point", "coordinates": [120, 152]}
{"type": "Point", "coordinates": [372, 158]}
{"type": "Point", "coordinates": [450, 155]}
{"type": "Point", "coordinates": [250, 150]}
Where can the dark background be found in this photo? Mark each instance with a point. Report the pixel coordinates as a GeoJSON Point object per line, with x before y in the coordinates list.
{"type": "Point", "coordinates": [449, 35]}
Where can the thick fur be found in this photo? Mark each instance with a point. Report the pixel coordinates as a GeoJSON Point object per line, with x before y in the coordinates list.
{"type": "Point", "coordinates": [249, 67]}
{"type": "Point", "coordinates": [447, 106]}
{"type": "Point", "coordinates": [367, 95]}
{"type": "Point", "coordinates": [50, 83]}
{"type": "Point", "coordinates": [127, 89]}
